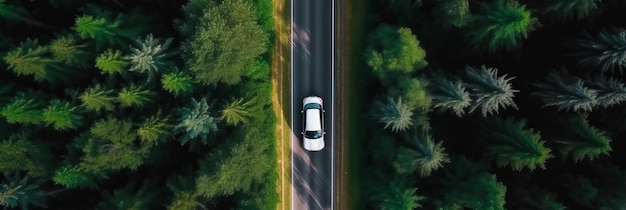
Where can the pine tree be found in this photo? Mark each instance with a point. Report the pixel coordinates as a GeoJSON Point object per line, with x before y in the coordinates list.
{"type": "Point", "coordinates": [111, 62]}
{"type": "Point", "coordinates": [565, 92]}
{"type": "Point", "coordinates": [131, 196]}
{"type": "Point", "coordinates": [579, 139]}
{"type": "Point", "coordinates": [150, 56]}
{"type": "Point", "coordinates": [424, 156]}
{"type": "Point", "coordinates": [611, 91]}
{"type": "Point", "coordinates": [98, 98]}
{"type": "Point", "coordinates": [102, 31]}
{"type": "Point", "coordinates": [21, 192]}
{"type": "Point", "coordinates": [185, 195]}
{"type": "Point", "coordinates": [396, 114]}
{"type": "Point", "coordinates": [154, 129]}
{"type": "Point", "coordinates": [501, 24]}
{"type": "Point", "coordinates": [513, 145]}
{"type": "Point", "coordinates": [397, 194]}
{"type": "Point", "coordinates": [449, 94]}
{"type": "Point", "coordinates": [237, 111]}
{"type": "Point", "coordinates": [568, 9]}
{"type": "Point", "coordinates": [20, 153]}
{"type": "Point", "coordinates": [32, 59]}
{"type": "Point", "coordinates": [73, 177]}
{"type": "Point", "coordinates": [605, 51]}
{"type": "Point", "coordinates": [135, 96]}
{"type": "Point", "coordinates": [196, 122]}
{"type": "Point", "coordinates": [23, 108]}
{"type": "Point", "coordinates": [488, 91]}
{"type": "Point", "coordinates": [67, 50]}
{"type": "Point", "coordinates": [466, 184]}
{"type": "Point", "coordinates": [62, 115]}
{"type": "Point", "coordinates": [178, 83]}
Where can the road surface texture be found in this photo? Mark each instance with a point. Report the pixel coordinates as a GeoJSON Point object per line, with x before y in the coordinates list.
{"type": "Point", "coordinates": [312, 67]}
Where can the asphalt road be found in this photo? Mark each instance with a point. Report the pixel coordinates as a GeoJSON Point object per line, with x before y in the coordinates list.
{"type": "Point", "coordinates": [312, 72]}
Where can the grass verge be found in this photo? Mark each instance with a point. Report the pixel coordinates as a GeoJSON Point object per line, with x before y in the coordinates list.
{"type": "Point", "coordinates": [281, 98]}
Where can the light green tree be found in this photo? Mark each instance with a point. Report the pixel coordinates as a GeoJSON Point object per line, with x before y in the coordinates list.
{"type": "Point", "coordinates": [501, 24]}
{"type": "Point", "coordinates": [393, 49]}
{"type": "Point", "coordinates": [74, 177]}
{"type": "Point", "coordinates": [237, 111]}
{"type": "Point", "coordinates": [513, 145]}
{"type": "Point", "coordinates": [488, 91]}
{"type": "Point", "coordinates": [111, 62]}
{"type": "Point", "coordinates": [21, 192]}
{"type": "Point", "coordinates": [24, 108]}
{"type": "Point", "coordinates": [32, 59]}
{"type": "Point", "coordinates": [397, 194]}
{"type": "Point", "coordinates": [62, 115]}
{"type": "Point", "coordinates": [67, 50]}
{"type": "Point", "coordinates": [227, 37]}
{"type": "Point", "coordinates": [103, 31]}
{"type": "Point", "coordinates": [178, 83]}
{"type": "Point", "coordinates": [565, 92]}
{"type": "Point", "coordinates": [150, 56]}
{"type": "Point", "coordinates": [413, 91]}
{"type": "Point", "coordinates": [154, 129]}
{"type": "Point", "coordinates": [195, 122]}
{"type": "Point", "coordinates": [135, 96]}
{"type": "Point", "coordinates": [424, 155]}
{"type": "Point", "coordinates": [98, 98]}
{"type": "Point", "coordinates": [393, 113]}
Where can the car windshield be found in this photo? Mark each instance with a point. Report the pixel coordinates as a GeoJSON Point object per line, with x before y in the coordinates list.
{"type": "Point", "coordinates": [313, 134]}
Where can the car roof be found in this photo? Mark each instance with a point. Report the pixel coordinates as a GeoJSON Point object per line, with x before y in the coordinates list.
{"type": "Point", "coordinates": [313, 120]}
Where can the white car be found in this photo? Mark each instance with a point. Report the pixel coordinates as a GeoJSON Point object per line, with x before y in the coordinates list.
{"type": "Point", "coordinates": [313, 123]}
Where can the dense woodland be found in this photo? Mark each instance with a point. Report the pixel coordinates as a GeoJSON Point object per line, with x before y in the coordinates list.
{"type": "Point", "coordinates": [496, 104]}
{"type": "Point", "coordinates": [110, 104]}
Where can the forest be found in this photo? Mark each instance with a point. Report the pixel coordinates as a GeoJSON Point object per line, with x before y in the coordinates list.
{"type": "Point", "coordinates": [109, 104]}
{"type": "Point", "coordinates": [494, 104]}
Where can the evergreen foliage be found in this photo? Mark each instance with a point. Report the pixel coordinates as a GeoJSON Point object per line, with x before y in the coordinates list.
{"type": "Point", "coordinates": [468, 185]}
{"type": "Point", "coordinates": [423, 156]}
{"type": "Point", "coordinates": [610, 91]}
{"type": "Point", "coordinates": [62, 115]}
{"type": "Point", "coordinates": [154, 129]}
{"type": "Point", "coordinates": [178, 83]}
{"type": "Point", "coordinates": [393, 113]}
{"type": "Point", "coordinates": [73, 177]}
{"type": "Point", "coordinates": [131, 196]}
{"type": "Point", "coordinates": [449, 95]}
{"type": "Point", "coordinates": [579, 139]}
{"type": "Point", "coordinates": [150, 57]}
{"type": "Point", "coordinates": [397, 194]}
{"type": "Point", "coordinates": [185, 195]}
{"type": "Point", "coordinates": [413, 91]}
{"type": "Point", "coordinates": [97, 98]}
{"type": "Point", "coordinates": [67, 50]}
{"type": "Point", "coordinates": [21, 192]}
{"type": "Point", "coordinates": [112, 146]}
{"type": "Point", "coordinates": [488, 91]}
{"type": "Point", "coordinates": [569, 9]}
{"type": "Point", "coordinates": [103, 31]}
{"type": "Point", "coordinates": [23, 108]}
{"type": "Point", "coordinates": [224, 40]}
{"type": "Point", "coordinates": [195, 122]}
{"type": "Point", "coordinates": [606, 51]}
{"type": "Point", "coordinates": [501, 25]}
{"type": "Point", "coordinates": [237, 111]}
{"type": "Point", "coordinates": [393, 49]}
{"type": "Point", "coordinates": [565, 92]}
{"type": "Point", "coordinates": [135, 96]}
{"type": "Point", "coordinates": [454, 13]}
{"type": "Point", "coordinates": [32, 59]}
{"type": "Point", "coordinates": [513, 145]}
{"type": "Point", "coordinates": [20, 153]}
{"type": "Point", "coordinates": [111, 62]}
